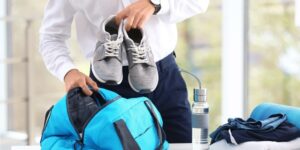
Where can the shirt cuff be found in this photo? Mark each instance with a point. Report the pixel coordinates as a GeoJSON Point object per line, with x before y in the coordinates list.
{"type": "Point", "coordinates": [165, 7]}
{"type": "Point", "coordinates": [64, 69]}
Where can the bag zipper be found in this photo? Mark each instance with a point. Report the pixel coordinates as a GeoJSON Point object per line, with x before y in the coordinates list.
{"type": "Point", "coordinates": [47, 117]}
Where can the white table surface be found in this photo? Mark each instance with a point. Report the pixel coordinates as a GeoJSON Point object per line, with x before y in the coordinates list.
{"type": "Point", "coordinates": [185, 146]}
{"type": "Point", "coordinates": [222, 145]}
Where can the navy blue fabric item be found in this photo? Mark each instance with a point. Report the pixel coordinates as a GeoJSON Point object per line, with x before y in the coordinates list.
{"type": "Point", "coordinates": [266, 125]}
{"type": "Point", "coordinates": [170, 98]}
{"type": "Point", "coordinates": [283, 133]}
{"type": "Point", "coordinates": [262, 126]}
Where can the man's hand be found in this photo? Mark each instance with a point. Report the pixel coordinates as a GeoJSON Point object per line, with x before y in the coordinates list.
{"type": "Point", "coordinates": [137, 14]}
{"type": "Point", "coordinates": [75, 78]}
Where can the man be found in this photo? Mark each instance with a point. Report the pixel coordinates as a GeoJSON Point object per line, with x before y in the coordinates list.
{"type": "Point", "coordinates": [157, 18]}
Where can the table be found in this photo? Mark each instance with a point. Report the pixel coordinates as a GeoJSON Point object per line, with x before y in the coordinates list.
{"type": "Point", "coordinates": [183, 146]}
{"type": "Point", "coordinates": [222, 145]}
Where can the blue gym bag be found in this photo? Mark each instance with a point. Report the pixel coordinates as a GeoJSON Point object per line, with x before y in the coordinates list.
{"type": "Point", "coordinates": [105, 121]}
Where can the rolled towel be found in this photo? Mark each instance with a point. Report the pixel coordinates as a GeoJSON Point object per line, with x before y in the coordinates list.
{"type": "Point", "coordinates": [264, 110]}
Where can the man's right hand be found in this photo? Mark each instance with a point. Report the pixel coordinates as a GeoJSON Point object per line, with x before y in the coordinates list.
{"type": "Point", "coordinates": [75, 78]}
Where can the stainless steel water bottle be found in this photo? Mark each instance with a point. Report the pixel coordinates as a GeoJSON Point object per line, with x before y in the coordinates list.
{"type": "Point", "coordinates": [200, 116]}
{"type": "Point", "coordinates": [200, 119]}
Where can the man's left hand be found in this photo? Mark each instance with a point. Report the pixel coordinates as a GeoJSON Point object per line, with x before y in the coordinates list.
{"type": "Point", "coordinates": [137, 14]}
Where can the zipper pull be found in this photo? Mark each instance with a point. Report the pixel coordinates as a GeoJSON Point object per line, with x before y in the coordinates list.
{"type": "Point", "coordinates": [78, 143]}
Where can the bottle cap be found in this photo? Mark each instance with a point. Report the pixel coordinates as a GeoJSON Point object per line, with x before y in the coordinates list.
{"type": "Point", "coordinates": [200, 95]}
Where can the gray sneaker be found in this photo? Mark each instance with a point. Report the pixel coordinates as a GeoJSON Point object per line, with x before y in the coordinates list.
{"type": "Point", "coordinates": [107, 60]}
{"type": "Point", "coordinates": [143, 75]}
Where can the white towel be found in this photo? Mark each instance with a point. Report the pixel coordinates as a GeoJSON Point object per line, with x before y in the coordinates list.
{"type": "Point", "coordinates": [261, 145]}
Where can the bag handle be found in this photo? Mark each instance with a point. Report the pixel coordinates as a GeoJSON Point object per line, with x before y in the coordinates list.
{"type": "Point", "coordinates": [160, 132]}
{"type": "Point", "coordinates": [127, 140]}
{"type": "Point", "coordinates": [95, 95]}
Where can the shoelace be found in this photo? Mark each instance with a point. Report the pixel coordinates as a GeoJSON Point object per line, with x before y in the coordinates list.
{"type": "Point", "coordinates": [112, 47]}
{"type": "Point", "coordinates": [139, 53]}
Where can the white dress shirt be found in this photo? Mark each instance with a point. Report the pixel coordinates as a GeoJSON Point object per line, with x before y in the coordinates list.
{"type": "Point", "coordinates": [160, 30]}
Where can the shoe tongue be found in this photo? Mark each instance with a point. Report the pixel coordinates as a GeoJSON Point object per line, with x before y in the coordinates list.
{"type": "Point", "coordinates": [136, 44]}
{"type": "Point", "coordinates": [114, 37]}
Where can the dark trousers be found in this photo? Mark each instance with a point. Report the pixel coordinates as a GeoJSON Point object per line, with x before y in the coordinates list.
{"type": "Point", "coordinates": [170, 98]}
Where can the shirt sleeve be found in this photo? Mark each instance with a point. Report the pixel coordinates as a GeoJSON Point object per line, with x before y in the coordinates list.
{"type": "Point", "coordinates": [173, 11]}
{"type": "Point", "coordinates": [54, 33]}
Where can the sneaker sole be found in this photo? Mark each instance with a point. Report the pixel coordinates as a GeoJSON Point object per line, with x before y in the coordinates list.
{"type": "Point", "coordinates": [142, 91]}
{"type": "Point", "coordinates": [109, 82]}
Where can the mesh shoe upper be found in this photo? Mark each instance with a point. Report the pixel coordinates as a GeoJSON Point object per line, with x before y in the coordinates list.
{"type": "Point", "coordinates": [107, 60]}
{"type": "Point", "coordinates": [143, 75]}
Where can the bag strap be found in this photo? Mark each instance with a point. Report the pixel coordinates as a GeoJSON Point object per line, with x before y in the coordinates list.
{"type": "Point", "coordinates": [160, 132]}
{"type": "Point", "coordinates": [127, 140]}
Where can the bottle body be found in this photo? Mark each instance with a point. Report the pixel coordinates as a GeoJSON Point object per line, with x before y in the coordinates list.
{"type": "Point", "coordinates": [200, 121]}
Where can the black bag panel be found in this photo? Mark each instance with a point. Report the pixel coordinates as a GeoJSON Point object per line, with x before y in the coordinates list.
{"type": "Point", "coordinates": [80, 107]}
